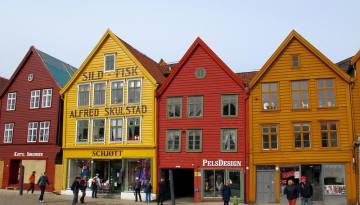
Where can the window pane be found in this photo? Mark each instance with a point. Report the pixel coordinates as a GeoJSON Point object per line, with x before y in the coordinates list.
{"type": "Point", "coordinates": [133, 129]}
{"type": "Point", "coordinates": [296, 99]}
{"type": "Point", "coordinates": [274, 141]}
{"type": "Point", "coordinates": [109, 62]}
{"type": "Point", "coordinates": [229, 139]}
{"type": "Point", "coordinates": [116, 130]}
{"type": "Point", "coordinates": [174, 105]}
{"type": "Point", "coordinates": [209, 183]}
{"type": "Point", "coordinates": [117, 92]}
{"type": "Point", "coordinates": [219, 183]}
{"type": "Point", "coordinates": [99, 93]}
{"type": "Point", "coordinates": [229, 105]}
{"type": "Point", "coordinates": [195, 106]}
{"type": "Point", "coordinates": [297, 140]}
{"type": "Point", "coordinates": [173, 140]}
{"type": "Point", "coordinates": [306, 137]}
{"type": "Point", "coordinates": [333, 139]}
{"type": "Point", "coordinates": [324, 139]}
{"type": "Point", "coordinates": [134, 88]}
{"type": "Point", "coordinates": [266, 142]}
{"type": "Point", "coordinates": [83, 95]}
{"type": "Point", "coordinates": [98, 130]}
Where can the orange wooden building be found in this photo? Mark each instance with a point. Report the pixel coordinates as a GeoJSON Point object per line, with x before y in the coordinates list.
{"type": "Point", "coordinates": [301, 125]}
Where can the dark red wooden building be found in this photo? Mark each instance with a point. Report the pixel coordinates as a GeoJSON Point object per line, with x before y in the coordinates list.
{"type": "Point", "coordinates": [202, 126]}
{"type": "Point", "coordinates": [30, 120]}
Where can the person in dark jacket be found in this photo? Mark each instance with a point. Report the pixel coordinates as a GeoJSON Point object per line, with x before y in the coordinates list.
{"type": "Point", "coordinates": [43, 180]}
{"type": "Point", "coordinates": [148, 190]}
{"type": "Point", "coordinates": [161, 191]}
{"type": "Point", "coordinates": [292, 192]}
{"type": "Point", "coordinates": [306, 191]}
{"type": "Point", "coordinates": [137, 188]}
{"type": "Point", "coordinates": [75, 187]}
{"type": "Point", "coordinates": [226, 193]}
{"type": "Point", "coordinates": [83, 186]}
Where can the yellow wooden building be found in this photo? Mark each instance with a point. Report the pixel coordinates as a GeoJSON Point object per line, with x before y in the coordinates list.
{"type": "Point", "coordinates": [109, 123]}
{"type": "Point", "coordinates": [300, 124]}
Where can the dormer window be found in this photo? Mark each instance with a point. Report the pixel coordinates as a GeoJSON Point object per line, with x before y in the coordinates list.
{"type": "Point", "coordinates": [109, 61]}
{"type": "Point", "coordinates": [200, 73]}
{"type": "Point", "coordinates": [295, 61]}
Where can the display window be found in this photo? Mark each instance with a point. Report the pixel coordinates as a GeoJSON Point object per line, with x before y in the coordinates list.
{"type": "Point", "coordinates": [138, 169]}
{"type": "Point", "coordinates": [214, 180]}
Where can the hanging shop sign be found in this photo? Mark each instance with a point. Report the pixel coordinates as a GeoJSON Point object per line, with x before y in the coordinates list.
{"type": "Point", "coordinates": [109, 111]}
{"type": "Point", "coordinates": [120, 72]}
{"type": "Point", "coordinates": [220, 163]}
{"type": "Point", "coordinates": [106, 153]}
{"type": "Point", "coordinates": [28, 154]}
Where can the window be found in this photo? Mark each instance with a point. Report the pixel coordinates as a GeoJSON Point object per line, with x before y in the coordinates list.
{"type": "Point", "coordinates": [11, 101]}
{"type": "Point", "coordinates": [326, 93]}
{"type": "Point", "coordinates": [193, 140]}
{"type": "Point", "coordinates": [46, 98]}
{"type": "Point", "coordinates": [270, 135]}
{"type": "Point", "coordinates": [116, 130]}
{"type": "Point", "coordinates": [82, 131]}
{"type": "Point", "coordinates": [32, 131]}
{"type": "Point", "coordinates": [110, 62]}
{"type": "Point", "coordinates": [44, 131]}
{"type": "Point", "coordinates": [35, 99]}
{"type": "Point", "coordinates": [195, 106]}
{"type": "Point", "coordinates": [99, 93]}
{"type": "Point", "coordinates": [134, 90]}
{"type": "Point", "coordinates": [133, 129]}
{"type": "Point", "coordinates": [98, 130]}
{"type": "Point", "coordinates": [302, 135]}
{"type": "Point", "coordinates": [270, 96]}
{"type": "Point", "coordinates": [8, 132]}
{"type": "Point", "coordinates": [200, 73]}
{"type": "Point", "coordinates": [328, 134]}
{"type": "Point", "coordinates": [174, 107]}
{"type": "Point", "coordinates": [173, 140]}
{"type": "Point", "coordinates": [83, 94]}
{"type": "Point", "coordinates": [117, 92]}
{"type": "Point", "coordinates": [228, 140]}
{"type": "Point", "coordinates": [300, 94]}
{"type": "Point", "coordinates": [229, 105]}
{"type": "Point", "coordinates": [295, 61]}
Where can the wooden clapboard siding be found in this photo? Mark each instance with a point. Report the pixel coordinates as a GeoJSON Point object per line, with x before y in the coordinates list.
{"type": "Point", "coordinates": [356, 94]}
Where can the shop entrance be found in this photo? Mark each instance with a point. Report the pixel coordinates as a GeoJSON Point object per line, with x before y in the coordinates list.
{"type": "Point", "coordinates": [313, 174]}
{"type": "Point", "coordinates": [14, 171]}
{"type": "Point", "coordinates": [183, 182]}
{"type": "Point", "coordinates": [110, 174]}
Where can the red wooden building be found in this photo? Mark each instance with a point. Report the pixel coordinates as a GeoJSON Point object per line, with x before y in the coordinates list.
{"type": "Point", "coordinates": [30, 120]}
{"type": "Point", "coordinates": [202, 126]}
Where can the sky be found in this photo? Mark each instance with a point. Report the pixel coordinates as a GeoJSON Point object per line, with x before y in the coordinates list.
{"type": "Point", "coordinates": [244, 34]}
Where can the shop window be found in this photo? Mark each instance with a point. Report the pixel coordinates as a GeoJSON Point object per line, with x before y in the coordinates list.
{"type": "Point", "coordinates": [329, 134]}
{"type": "Point", "coordinates": [116, 130]}
{"type": "Point", "coordinates": [270, 96]}
{"type": "Point", "coordinates": [302, 135]}
{"type": "Point", "coordinates": [32, 131]}
{"type": "Point", "coordinates": [35, 99]}
{"type": "Point", "coordinates": [295, 61]}
{"type": "Point", "coordinates": [326, 93]}
{"type": "Point", "coordinates": [99, 93]}
{"type": "Point", "coordinates": [173, 140]}
{"type": "Point", "coordinates": [11, 101]}
{"type": "Point", "coordinates": [82, 131]}
{"type": "Point", "coordinates": [228, 140]}
{"type": "Point", "coordinates": [134, 91]}
{"type": "Point", "coordinates": [195, 106]}
{"type": "Point", "coordinates": [174, 107]}
{"type": "Point", "coordinates": [98, 130]}
{"type": "Point", "coordinates": [194, 140]}
{"type": "Point", "coordinates": [44, 131]}
{"type": "Point", "coordinates": [138, 169]}
{"type": "Point", "coordinates": [109, 62]}
{"type": "Point", "coordinates": [8, 132]}
{"type": "Point", "coordinates": [117, 92]}
{"type": "Point", "coordinates": [214, 182]}
{"type": "Point", "coordinates": [229, 104]}
{"type": "Point", "coordinates": [133, 129]}
{"type": "Point", "coordinates": [300, 94]}
{"type": "Point", "coordinates": [83, 94]}
{"type": "Point", "coordinates": [269, 135]}
{"type": "Point", "coordinates": [46, 98]}
{"type": "Point", "coordinates": [334, 180]}
{"type": "Point", "coordinates": [78, 167]}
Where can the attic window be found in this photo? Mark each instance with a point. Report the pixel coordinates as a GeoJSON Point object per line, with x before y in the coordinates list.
{"type": "Point", "coordinates": [295, 61]}
{"type": "Point", "coordinates": [109, 62]}
{"type": "Point", "coordinates": [30, 77]}
{"type": "Point", "coordinates": [200, 73]}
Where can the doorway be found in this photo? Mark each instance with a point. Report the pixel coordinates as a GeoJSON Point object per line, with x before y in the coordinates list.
{"type": "Point", "coordinates": [265, 184]}
{"type": "Point", "coordinates": [14, 171]}
{"type": "Point", "coordinates": [183, 182]}
{"type": "Point", "coordinates": [313, 174]}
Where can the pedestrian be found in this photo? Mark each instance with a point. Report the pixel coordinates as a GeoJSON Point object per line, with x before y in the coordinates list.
{"type": "Point", "coordinates": [43, 180]}
{"type": "Point", "coordinates": [226, 193]}
{"type": "Point", "coordinates": [75, 187]}
{"type": "Point", "coordinates": [137, 187]}
{"type": "Point", "coordinates": [95, 185]}
{"type": "Point", "coordinates": [292, 192]}
{"type": "Point", "coordinates": [83, 186]}
{"type": "Point", "coordinates": [148, 190]}
{"type": "Point", "coordinates": [32, 182]}
{"type": "Point", "coordinates": [161, 191]}
{"type": "Point", "coordinates": [306, 191]}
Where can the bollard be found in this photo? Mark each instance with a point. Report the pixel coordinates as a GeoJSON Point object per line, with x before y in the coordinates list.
{"type": "Point", "coordinates": [172, 194]}
{"type": "Point", "coordinates": [21, 180]}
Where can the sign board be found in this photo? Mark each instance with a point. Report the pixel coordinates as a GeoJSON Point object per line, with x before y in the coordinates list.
{"type": "Point", "coordinates": [220, 163]}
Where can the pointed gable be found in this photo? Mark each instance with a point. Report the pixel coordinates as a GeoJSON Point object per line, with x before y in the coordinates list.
{"type": "Point", "coordinates": [355, 58]}
{"type": "Point", "coordinates": [296, 36]}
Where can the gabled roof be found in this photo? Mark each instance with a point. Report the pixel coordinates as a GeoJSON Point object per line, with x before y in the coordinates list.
{"type": "Point", "coordinates": [345, 64]}
{"type": "Point", "coordinates": [356, 57]}
{"type": "Point", "coordinates": [152, 68]}
{"type": "Point", "coordinates": [58, 70]}
{"type": "Point", "coordinates": [198, 42]}
{"type": "Point", "coordinates": [294, 35]}
{"type": "Point", "coordinates": [246, 76]}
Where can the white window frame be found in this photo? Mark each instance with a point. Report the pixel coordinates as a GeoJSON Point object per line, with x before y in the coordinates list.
{"type": "Point", "coordinates": [46, 98]}
{"type": "Point", "coordinates": [7, 137]}
{"type": "Point", "coordinates": [92, 131]}
{"type": "Point", "coordinates": [33, 95]}
{"type": "Point", "coordinates": [126, 131]}
{"type": "Point", "coordinates": [77, 95]}
{"type": "Point", "coordinates": [43, 128]}
{"type": "Point", "coordinates": [122, 130]}
{"type": "Point", "coordinates": [141, 86]}
{"type": "Point", "coordinates": [76, 131]}
{"type": "Point", "coordinates": [30, 130]}
{"type": "Point", "coordinates": [11, 100]}
{"type": "Point", "coordinates": [114, 81]}
{"type": "Point", "coordinates": [93, 92]}
{"type": "Point", "coordinates": [110, 54]}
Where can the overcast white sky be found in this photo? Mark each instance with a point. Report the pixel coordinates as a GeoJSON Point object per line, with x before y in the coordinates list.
{"type": "Point", "coordinates": [243, 33]}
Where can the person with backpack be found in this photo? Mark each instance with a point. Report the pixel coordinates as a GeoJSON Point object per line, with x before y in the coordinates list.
{"type": "Point", "coordinates": [306, 191]}
{"type": "Point", "coordinates": [83, 186]}
{"type": "Point", "coordinates": [32, 182]}
{"type": "Point", "coordinates": [75, 187]}
{"type": "Point", "coordinates": [148, 190]}
{"type": "Point", "coordinates": [292, 192]}
{"type": "Point", "coordinates": [95, 185]}
{"type": "Point", "coordinates": [43, 180]}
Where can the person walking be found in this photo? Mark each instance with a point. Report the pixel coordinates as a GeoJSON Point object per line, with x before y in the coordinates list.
{"type": "Point", "coordinates": [75, 187]}
{"type": "Point", "coordinates": [32, 182]}
{"type": "Point", "coordinates": [83, 186]}
{"type": "Point", "coordinates": [292, 192]}
{"type": "Point", "coordinates": [161, 192]}
{"type": "Point", "coordinates": [43, 180]}
{"type": "Point", "coordinates": [95, 184]}
{"type": "Point", "coordinates": [226, 193]}
{"type": "Point", "coordinates": [137, 188]}
{"type": "Point", "coordinates": [148, 190]}
{"type": "Point", "coordinates": [306, 191]}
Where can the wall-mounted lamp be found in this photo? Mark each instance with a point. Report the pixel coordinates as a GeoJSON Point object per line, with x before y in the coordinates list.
{"type": "Point", "coordinates": [277, 168]}
{"type": "Point", "coordinates": [247, 168]}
